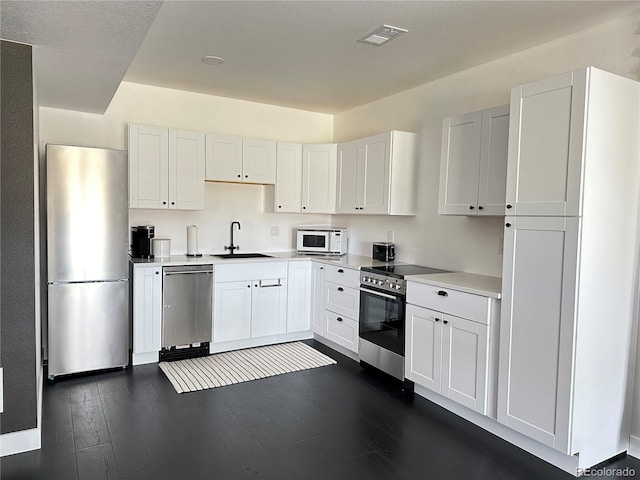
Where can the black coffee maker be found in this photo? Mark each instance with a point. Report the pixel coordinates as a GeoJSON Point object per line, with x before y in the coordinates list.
{"type": "Point", "coordinates": [141, 241]}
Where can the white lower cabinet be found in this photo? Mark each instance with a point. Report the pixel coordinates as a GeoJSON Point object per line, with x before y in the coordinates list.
{"type": "Point", "coordinates": [232, 311]}
{"type": "Point", "coordinates": [317, 297]}
{"type": "Point", "coordinates": [341, 330]}
{"type": "Point", "coordinates": [299, 296]}
{"type": "Point", "coordinates": [448, 354]}
{"type": "Point", "coordinates": [336, 304]}
{"type": "Point", "coordinates": [250, 301]}
{"type": "Point", "coordinates": [147, 314]}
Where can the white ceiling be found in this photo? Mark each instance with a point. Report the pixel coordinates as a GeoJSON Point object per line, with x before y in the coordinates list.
{"type": "Point", "coordinates": [300, 54]}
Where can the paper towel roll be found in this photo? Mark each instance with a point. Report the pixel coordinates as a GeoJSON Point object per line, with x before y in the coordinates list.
{"type": "Point", "coordinates": [192, 240]}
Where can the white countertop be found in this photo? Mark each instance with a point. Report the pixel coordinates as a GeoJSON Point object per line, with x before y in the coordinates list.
{"type": "Point", "coordinates": [349, 261]}
{"type": "Point", "coordinates": [465, 282]}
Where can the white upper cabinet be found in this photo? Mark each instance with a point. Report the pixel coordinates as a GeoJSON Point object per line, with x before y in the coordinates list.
{"type": "Point", "coordinates": [319, 178]}
{"type": "Point", "coordinates": [545, 150]}
{"type": "Point", "coordinates": [238, 159]}
{"type": "Point", "coordinates": [288, 189]}
{"type": "Point", "coordinates": [166, 168]}
{"type": "Point", "coordinates": [148, 166]}
{"type": "Point", "coordinates": [258, 160]}
{"type": "Point", "coordinates": [473, 164]}
{"type": "Point", "coordinates": [224, 158]}
{"type": "Point", "coordinates": [186, 170]}
{"type": "Point", "coordinates": [377, 175]}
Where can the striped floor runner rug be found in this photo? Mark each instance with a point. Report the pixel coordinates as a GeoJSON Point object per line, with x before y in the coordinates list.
{"type": "Point", "coordinates": [242, 365]}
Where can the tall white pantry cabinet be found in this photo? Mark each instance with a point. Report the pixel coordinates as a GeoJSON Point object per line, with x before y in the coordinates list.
{"type": "Point", "coordinates": [570, 263]}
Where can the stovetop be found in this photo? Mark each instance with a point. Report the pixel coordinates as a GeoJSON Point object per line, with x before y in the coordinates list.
{"type": "Point", "coordinates": [399, 270]}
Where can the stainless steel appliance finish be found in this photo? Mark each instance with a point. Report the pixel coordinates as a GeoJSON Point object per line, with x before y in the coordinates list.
{"type": "Point", "coordinates": [87, 258]}
{"type": "Point", "coordinates": [382, 315]}
{"type": "Point", "coordinates": [187, 294]}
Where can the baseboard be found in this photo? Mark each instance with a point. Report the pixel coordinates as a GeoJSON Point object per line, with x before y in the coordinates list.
{"type": "Point", "coordinates": [634, 446]}
{"type": "Point", "coordinates": [21, 441]}
{"type": "Point", "coordinates": [338, 348]}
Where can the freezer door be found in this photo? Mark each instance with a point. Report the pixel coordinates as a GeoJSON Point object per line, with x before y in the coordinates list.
{"type": "Point", "coordinates": [87, 214]}
{"type": "Point", "coordinates": [88, 326]}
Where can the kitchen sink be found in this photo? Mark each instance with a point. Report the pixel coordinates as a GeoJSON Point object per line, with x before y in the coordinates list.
{"type": "Point", "coordinates": [241, 255]}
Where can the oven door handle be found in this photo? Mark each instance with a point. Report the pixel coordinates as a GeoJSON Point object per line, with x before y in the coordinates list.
{"type": "Point", "coordinates": [373, 292]}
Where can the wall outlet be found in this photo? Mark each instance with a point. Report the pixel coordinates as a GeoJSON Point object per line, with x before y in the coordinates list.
{"type": "Point", "coordinates": [501, 246]}
{"type": "Point", "coordinates": [275, 231]}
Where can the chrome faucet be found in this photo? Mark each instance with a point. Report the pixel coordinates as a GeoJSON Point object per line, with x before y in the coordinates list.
{"type": "Point", "coordinates": [233, 247]}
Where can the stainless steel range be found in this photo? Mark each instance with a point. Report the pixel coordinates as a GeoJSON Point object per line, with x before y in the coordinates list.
{"type": "Point", "coordinates": [382, 315]}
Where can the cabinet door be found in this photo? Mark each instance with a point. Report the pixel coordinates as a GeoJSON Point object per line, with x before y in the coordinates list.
{"type": "Point", "coordinates": [186, 170]}
{"type": "Point", "coordinates": [299, 296]}
{"type": "Point", "coordinates": [460, 164]}
{"type": "Point", "coordinates": [319, 178]}
{"type": "Point", "coordinates": [317, 297]}
{"type": "Point", "coordinates": [148, 167]}
{"type": "Point", "coordinates": [492, 182]}
{"type": "Point", "coordinates": [373, 178]}
{"type": "Point", "coordinates": [465, 362]}
{"type": "Point", "coordinates": [258, 160]}
{"type": "Point", "coordinates": [147, 313]}
{"type": "Point", "coordinates": [423, 347]}
{"type": "Point", "coordinates": [537, 327]}
{"type": "Point", "coordinates": [223, 158]}
{"type": "Point", "coordinates": [347, 173]}
{"type": "Point", "coordinates": [232, 311]}
{"type": "Point", "coordinates": [288, 197]}
{"type": "Point", "coordinates": [545, 146]}
{"type": "Point", "coordinates": [269, 307]}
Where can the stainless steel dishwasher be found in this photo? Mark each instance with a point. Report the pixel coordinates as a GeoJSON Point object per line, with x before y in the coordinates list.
{"type": "Point", "coordinates": [187, 295]}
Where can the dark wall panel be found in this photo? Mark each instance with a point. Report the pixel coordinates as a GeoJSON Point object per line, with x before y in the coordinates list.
{"type": "Point", "coordinates": [17, 278]}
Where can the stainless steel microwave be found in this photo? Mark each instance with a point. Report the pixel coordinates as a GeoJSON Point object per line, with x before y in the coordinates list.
{"type": "Point", "coordinates": [322, 240]}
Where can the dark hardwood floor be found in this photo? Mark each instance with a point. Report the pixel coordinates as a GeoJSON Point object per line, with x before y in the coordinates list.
{"type": "Point", "coordinates": [335, 422]}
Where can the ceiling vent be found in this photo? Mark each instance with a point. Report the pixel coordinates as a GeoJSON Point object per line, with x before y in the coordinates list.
{"type": "Point", "coordinates": [382, 34]}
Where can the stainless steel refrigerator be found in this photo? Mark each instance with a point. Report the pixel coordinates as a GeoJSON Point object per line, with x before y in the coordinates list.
{"type": "Point", "coordinates": [87, 259]}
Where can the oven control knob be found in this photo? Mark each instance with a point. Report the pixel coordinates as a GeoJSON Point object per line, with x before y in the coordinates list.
{"type": "Point", "coordinates": [397, 286]}
{"type": "Point", "coordinates": [380, 282]}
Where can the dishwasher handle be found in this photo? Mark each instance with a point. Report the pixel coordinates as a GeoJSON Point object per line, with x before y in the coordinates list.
{"type": "Point", "coordinates": [187, 270]}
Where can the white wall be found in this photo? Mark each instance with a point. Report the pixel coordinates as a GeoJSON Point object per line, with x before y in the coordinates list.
{"type": "Point", "coordinates": [468, 243]}
{"type": "Point", "coordinates": [224, 203]}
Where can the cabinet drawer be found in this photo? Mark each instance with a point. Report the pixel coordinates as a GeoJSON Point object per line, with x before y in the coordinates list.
{"type": "Point", "coordinates": [342, 300]}
{"type": "Point", "coordinates": [446, 300]}
{"type": "Point", "coordinates": [341, 330]}
{"type": "Point", "coordinates": [343, 276]}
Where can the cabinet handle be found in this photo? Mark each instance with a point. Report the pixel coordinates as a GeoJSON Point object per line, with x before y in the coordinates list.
{"type": "Point", "coordinates": [157, 273]}
{"type": "Point", "coordinates": [279, 206]}
{"type": "Point", "coordinates": [321, 268]}
{"type": "Point", "coordinates": [239, 176]}
{"type": "Point", "coordinates": [445, 321]}
{"type": "Point", "coordinates": [304, 208]}
{"type": "Point", "coordinates": [256, 285]}
{"type": "Point", "coordinates": [164, 203]}
{"type": "Point", "coordinates": [442, 293]}
{"type": "Point", "coordinates": [339, 319]}
{"type": "Point", "coordinates": [340, 289]}
{"type": "Point", "coordinates": [340, 270]}
{"type": "Point", "coordinates": [471, 207]}
{"type": "Point", "coordinates": [480, 207]}
{"type": "Point", "coordinates": [507, 225]}
{"type": "Point", "coordinates": [173, 203]}
{"type": "Point", "coordinates": [246, 176]}
{"type": "Point", "coordinates": [509, 206]}
{"type": "Point", "coordinates": [249, 286]}
{"type": "Point", "coordinates": [437, 319]}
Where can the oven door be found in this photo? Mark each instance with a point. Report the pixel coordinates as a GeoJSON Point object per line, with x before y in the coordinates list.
{"type": "Point", "coordinates": [382, 319]}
